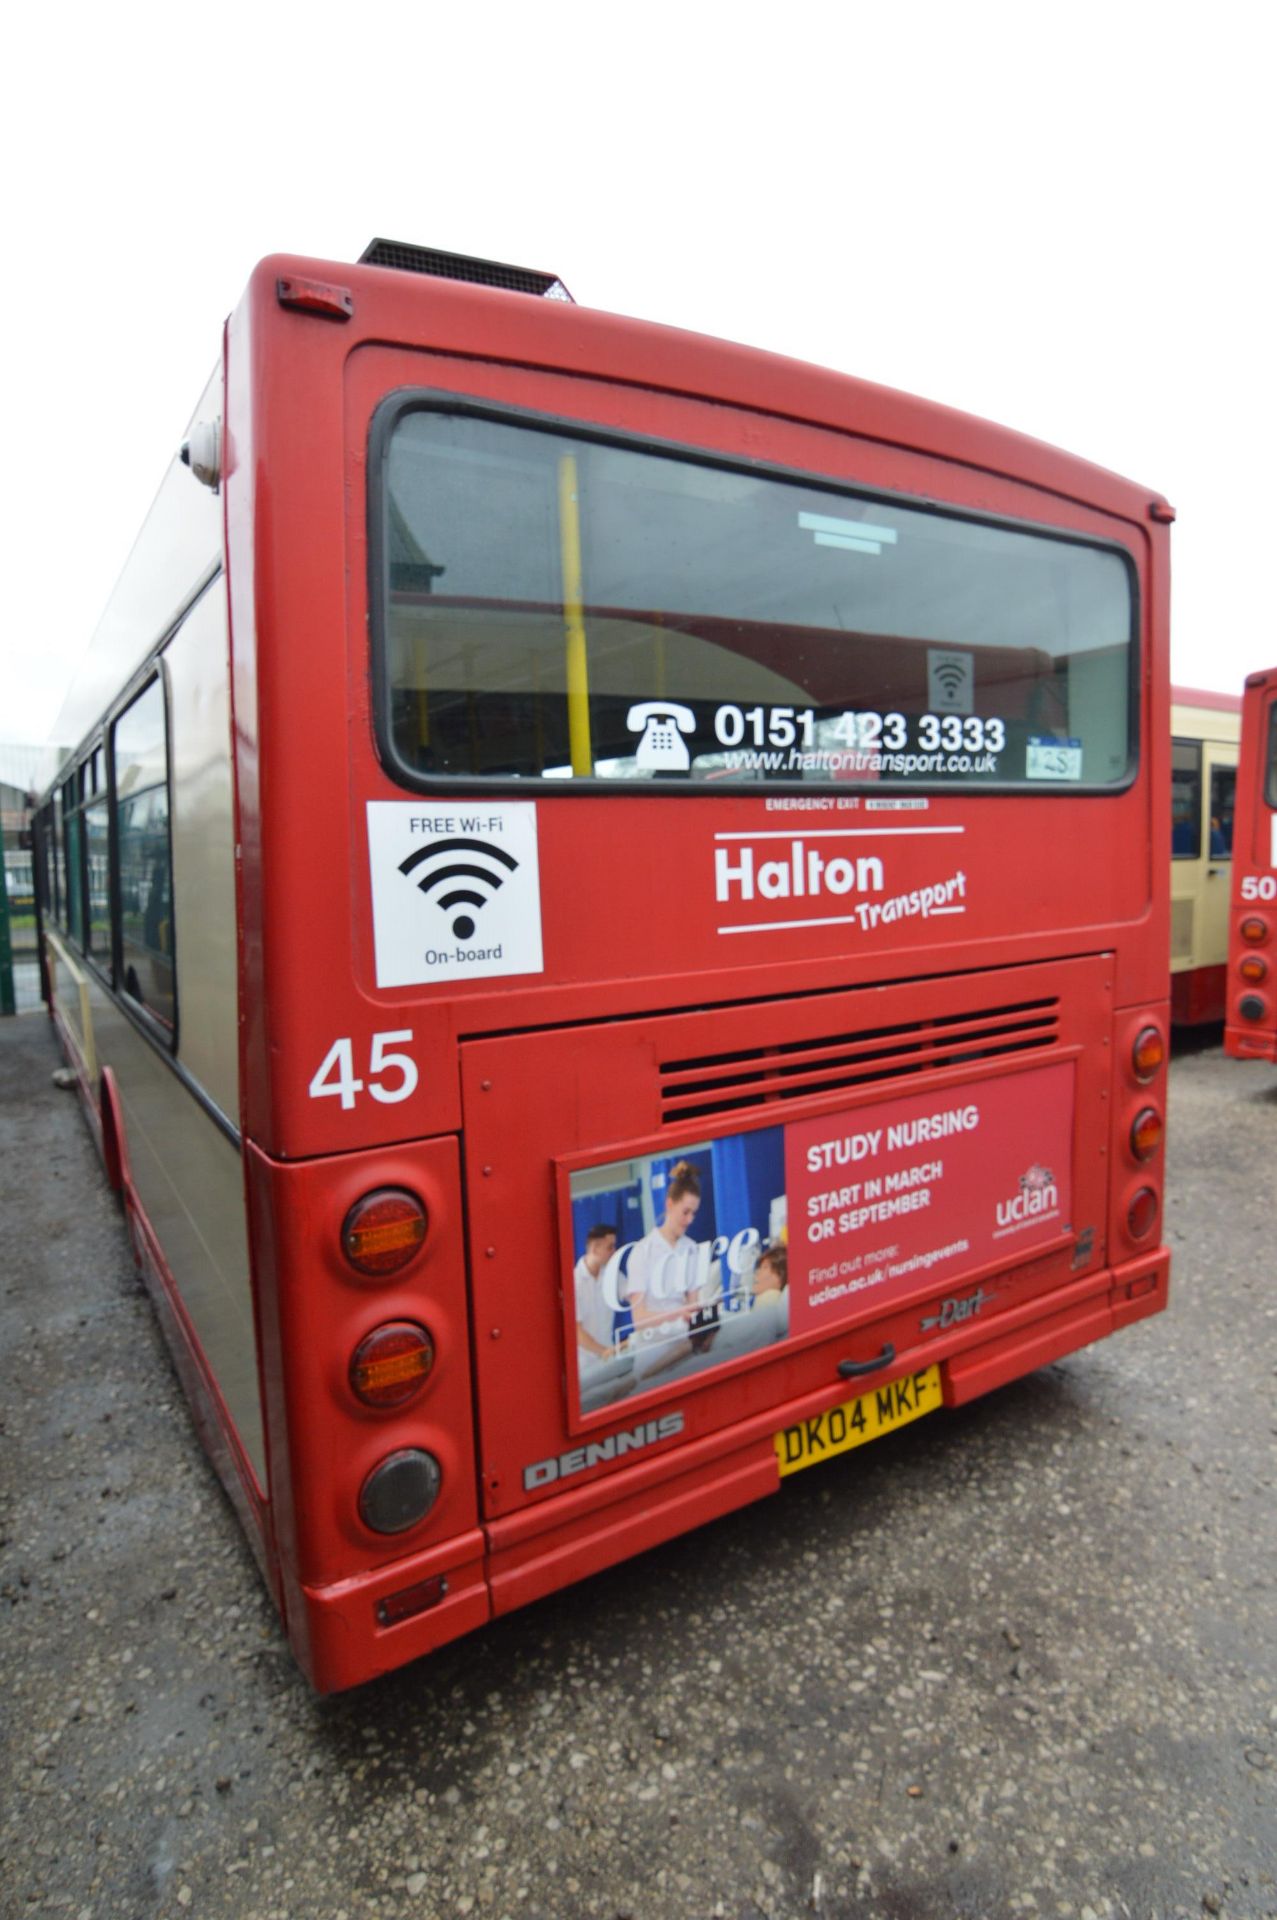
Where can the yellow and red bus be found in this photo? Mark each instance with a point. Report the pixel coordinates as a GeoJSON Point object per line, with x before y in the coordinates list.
{"type": "Point", "coordinates": [1205, 734]}
{"type": "Point", "coordinates": [1251, 1029]}
{"type": "Point", "coordinates": [610, 913]}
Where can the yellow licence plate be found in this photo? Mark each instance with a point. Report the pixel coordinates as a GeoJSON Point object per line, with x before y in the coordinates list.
{"type": "Point", "coordinates": [855, 1421]}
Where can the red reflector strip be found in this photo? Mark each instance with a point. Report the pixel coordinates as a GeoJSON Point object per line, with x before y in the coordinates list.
{"type": "Point", "coordinates": [409, 1600]}
{"type": "Point", "coordinates": [315, 296]}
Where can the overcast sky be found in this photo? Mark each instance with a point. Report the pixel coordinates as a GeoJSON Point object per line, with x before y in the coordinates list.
{"type": "Point", "coordinates": [1059, 218]}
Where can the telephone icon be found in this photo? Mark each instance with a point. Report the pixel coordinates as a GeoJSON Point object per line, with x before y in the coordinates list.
{"type": "Point", "coordinates": [661, 747]}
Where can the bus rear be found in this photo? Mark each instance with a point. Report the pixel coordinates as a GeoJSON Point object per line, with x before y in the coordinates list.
{"type": "Point", "coordinates": [1251, 1029]}
{"type": "Point", "coordinates": [704, 928]}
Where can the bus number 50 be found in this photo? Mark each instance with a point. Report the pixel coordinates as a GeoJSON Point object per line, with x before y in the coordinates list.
{"type": "Point", "coordinates": [335, 1078]}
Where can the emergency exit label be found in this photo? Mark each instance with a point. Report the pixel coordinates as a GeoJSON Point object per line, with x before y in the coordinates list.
{"type": "Point", "coordinates": [456, 891]}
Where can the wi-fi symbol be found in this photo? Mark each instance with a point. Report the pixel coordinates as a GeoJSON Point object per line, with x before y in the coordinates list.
{"type": "Point", "coordinates": [951, 678]}
{"type": "Point", "coordinates": [452, 870]}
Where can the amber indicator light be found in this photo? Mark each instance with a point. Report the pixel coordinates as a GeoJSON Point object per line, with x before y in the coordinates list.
{"type": "Point", "coordinates": [392, 1364]}
{"type": "Point", "coordinates": [1141, 1215]}
{"type": "Point", "coordinates": [1254, 929]}
{"type": "Point", "coordinates": [1148, 1053]}
{"type": "Point", "coordinates": [383, 1231]}
{"type": "Point", "coordinates": [1253, 968]}
{"type": "Point", "coordinates": [1146, 1134]}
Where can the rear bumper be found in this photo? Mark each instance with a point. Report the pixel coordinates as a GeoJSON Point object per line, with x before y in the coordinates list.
{"type": "Point", "coordinates": [566, 1536]}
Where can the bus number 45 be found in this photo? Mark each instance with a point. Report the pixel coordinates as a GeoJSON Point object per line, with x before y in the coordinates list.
{"type": "Point", "coordinates": [335, 1078]}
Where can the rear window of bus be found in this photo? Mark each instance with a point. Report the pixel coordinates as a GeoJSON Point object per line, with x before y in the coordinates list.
{"type": "Point", "coordinates": [549, 606]}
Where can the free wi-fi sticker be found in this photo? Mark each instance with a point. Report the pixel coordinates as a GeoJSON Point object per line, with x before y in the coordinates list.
{"type": "Point", "coordinates": [456, 891]}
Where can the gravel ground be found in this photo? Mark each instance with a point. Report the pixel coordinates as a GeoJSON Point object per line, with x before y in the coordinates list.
{"type": "Point", "coordinates": [1021, 1659]}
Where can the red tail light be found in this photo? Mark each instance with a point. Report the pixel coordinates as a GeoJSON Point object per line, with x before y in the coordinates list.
{"type": "Point", "coordinates": [383, 1231]}
{"type": "Point", "coordinates": [1141, 1215]}
{"type": "Point", "coordinates": [1148, 1053]}
{"type": "Point", "coordinates": [1146, 1133]}
{"type": "Point", "coordinates": [1254, 929]}
{"type": "Point", "coordinates": [392, 1365]}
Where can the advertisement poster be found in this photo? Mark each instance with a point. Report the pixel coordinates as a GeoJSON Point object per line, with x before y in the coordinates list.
{"type": "Point", "coordinates": [685, 1261]}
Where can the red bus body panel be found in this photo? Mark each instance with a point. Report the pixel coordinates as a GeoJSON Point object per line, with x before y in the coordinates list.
{"type": "Point", "coordinates": [1252, 1034]}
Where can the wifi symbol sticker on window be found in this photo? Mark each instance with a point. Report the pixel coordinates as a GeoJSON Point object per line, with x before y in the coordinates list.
{"type": "Point", "coordinates": [456, 892]}
{"type": "Point", "coordinates": [950, 681]}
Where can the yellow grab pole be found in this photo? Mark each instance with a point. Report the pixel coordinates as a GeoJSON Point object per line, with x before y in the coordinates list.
{"type": "Point", "coordinates": [578, 677]}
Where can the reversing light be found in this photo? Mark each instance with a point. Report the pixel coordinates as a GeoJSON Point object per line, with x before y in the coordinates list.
{"type": "Point", "coordinates": [1148, 1053]}
{"type": "Point", "coordinates": [1253, 968]}
{"type": "Point", "coordinates": [1146, 1133]}
{"type": "Point", "coordinates": [1141, 1215]}
{"type": "Point", "coordinates": [1254, 929]}
{"type": "Point", "coordinates": [391, 1366]}
{"type": "Point", "coordinates": [1251, 1007]}
{"type": "Point", "coordinates": [383, 1230]}
{"type": "Point", "coordinates": [400, 1492]}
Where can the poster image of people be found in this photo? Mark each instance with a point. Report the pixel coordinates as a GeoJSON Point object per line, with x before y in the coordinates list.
{"type": "Point", "coordinates": [686, 1261]}
{"type": "Point", "coordinates": [680, 1264]}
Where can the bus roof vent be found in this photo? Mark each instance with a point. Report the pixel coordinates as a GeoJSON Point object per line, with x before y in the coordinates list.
{"type": "Point", "coordinates": [461, 266]}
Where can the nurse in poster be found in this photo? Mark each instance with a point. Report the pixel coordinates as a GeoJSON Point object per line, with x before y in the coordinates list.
{"type": "Point", "coordinates": [680, 1264]}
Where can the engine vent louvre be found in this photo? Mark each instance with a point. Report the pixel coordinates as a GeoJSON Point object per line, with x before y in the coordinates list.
{"type": "Point", "coordinates": [792, 1070]}
{"type": "Point", "coordinates": [461, 266]}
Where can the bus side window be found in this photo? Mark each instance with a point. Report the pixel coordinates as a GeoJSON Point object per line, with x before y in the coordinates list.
{"type": "Point", "coordinates": [140, 746]}
{"type": "Point", "coordinates": [1186, 800]}
{"type": "Point", "coordinates": [1223, 795]}
{"type": "Point", "coordinates": [73, 832]}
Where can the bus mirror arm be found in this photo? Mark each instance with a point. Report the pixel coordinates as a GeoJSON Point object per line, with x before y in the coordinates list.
{"type": "Point", "coordinates": [848, 1369]}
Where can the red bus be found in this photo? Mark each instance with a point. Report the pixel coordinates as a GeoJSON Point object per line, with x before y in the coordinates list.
{"type": "Point", "coordinates": [610, 913]}
{"type": "Point", "coordinates": [1251, 1029]}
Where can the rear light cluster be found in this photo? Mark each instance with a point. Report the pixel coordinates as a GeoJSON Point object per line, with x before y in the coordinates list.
{"type": "Point", "coordinates": [383, 1231]}
{"type": "Point", "coordinates": [1253, 968]}
{"type": "Point", "coordinates": [1146, 1128]}
{"type": "Point", "coordinates": [390, 1367]}
{"type": "Point", "coordinates": [381, 1235]}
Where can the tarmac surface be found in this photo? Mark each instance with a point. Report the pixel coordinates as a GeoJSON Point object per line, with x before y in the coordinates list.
{"type": "Point", "coordinates": [1015, 1660]}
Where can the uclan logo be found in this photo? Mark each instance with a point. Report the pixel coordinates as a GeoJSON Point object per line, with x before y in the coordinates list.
{"type": "Point", "coordinates": [1037, 1195]}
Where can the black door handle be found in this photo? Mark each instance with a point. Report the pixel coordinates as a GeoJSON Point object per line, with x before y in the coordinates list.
{"type": "Point", "coordinates": [848, 1369]}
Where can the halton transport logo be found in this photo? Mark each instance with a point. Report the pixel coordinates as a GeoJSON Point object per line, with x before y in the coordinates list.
{"type": "Point", "coordinates": [837, 876]}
